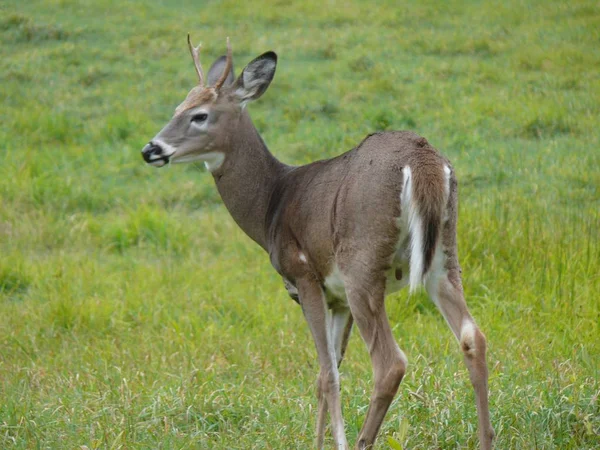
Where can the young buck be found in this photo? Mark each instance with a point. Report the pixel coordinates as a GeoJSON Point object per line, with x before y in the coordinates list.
{"type": "Point", "coordinates": [341, 232]}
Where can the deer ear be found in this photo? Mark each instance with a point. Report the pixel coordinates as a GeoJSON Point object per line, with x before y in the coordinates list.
{"type": "Point", "coordinates": [216, 70]}
{"type": "Point", "coordinates": [256, 77]}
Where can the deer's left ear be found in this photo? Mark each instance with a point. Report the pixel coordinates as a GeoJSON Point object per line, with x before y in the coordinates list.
{"type": "Point", "coordinates": [256, 77]}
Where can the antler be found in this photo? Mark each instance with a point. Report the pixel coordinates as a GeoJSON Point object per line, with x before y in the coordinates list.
{"type": "Point", "coordinates": [194, 53]}
{"type": "Point", "coordinates": [228, 65]}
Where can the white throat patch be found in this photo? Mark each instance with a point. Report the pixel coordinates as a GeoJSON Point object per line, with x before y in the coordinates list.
{"type": "Point", "coordinates": [213, 160]}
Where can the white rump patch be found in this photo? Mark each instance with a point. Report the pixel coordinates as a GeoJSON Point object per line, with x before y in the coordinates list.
{"type": "Point", "coordinates": [415, 226]}
{"type": "Point", "coordinates": [447, 173]}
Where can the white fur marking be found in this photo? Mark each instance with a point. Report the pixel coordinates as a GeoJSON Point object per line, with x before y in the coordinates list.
{"type": "Point", "coordinates": [340, 437]}
{"type": "Point", "coordinates": [302, 257]}
{"type": "Point", "coordinates": [339, 320]}
{"type": "Point", "coordinates": [447, 173]}
{"type": "Point", "coordinates": [199, 125]}
{"type": "Point", "coordinates": [415, 225]}
{"type": "Point", "coordinates": [168, 149]}
{"type": "Point", "coordinates": [467, 337]}
{"type": "Point", "coordinates": [212, 160]}
{"type": "Point", "coordinates": [157, 162]}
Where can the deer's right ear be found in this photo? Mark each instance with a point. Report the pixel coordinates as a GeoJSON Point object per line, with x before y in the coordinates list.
{"type": "Point", "coordinates": [256, 77]}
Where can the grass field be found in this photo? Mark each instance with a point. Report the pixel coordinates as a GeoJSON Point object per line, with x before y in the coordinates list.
{"type": "Point", "coordinates": [134, 314]}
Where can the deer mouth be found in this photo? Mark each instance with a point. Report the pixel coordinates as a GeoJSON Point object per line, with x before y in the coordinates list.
{"type": "Point", "coordinates": [160, 161]}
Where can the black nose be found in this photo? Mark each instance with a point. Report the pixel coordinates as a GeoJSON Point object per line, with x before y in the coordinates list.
{"type": "Point", "coordinates": [151, 151]}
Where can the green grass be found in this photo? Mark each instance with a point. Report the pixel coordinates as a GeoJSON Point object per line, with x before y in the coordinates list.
{"type": "Point", "coordinates": [134, 314]}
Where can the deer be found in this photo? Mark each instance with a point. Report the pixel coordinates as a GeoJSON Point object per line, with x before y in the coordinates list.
{"type": "Point", "coordinates": [342, 232]}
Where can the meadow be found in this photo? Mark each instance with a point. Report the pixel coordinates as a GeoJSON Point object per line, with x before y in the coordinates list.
{"type": "Point", "coordinates": [134, 313]}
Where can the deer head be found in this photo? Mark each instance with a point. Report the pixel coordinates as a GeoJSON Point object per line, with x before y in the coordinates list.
{"type": "Point", "coordinates": [203, 123]}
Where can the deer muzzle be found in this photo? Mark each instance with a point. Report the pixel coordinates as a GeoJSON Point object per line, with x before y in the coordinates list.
{"type": "Point", "coordinates": [155, 155]}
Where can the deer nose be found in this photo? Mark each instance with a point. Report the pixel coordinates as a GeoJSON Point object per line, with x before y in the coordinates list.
{"type": "Point", "coordinates": [151, 151]}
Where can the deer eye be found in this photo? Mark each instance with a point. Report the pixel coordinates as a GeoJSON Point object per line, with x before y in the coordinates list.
{"type": "Point", "coordinates": [199, 118]}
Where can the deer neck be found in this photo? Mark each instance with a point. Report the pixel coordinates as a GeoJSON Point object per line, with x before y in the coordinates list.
{"type": "Point", "coordinates": [246, 179]}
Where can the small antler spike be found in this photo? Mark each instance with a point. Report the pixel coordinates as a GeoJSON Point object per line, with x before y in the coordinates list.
{"type": "Point", "coordinates": [195, 56]}
{"type": "Point", "coordinates": [227, 69]}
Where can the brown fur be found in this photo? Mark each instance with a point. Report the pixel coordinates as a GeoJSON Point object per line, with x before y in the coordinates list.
{"type": "Point", "coordinates": [340, 214]}
{"type": "Point", "coordinates": [428, 177]}
{"type": "Point", "coordinates": [347, 207]}
{"type": "Point", "coordinates": [198, 96]}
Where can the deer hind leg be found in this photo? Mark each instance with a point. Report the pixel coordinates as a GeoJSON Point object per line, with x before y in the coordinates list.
{"type": "Point", "coordinates": [445, 289]}
{"type": "Point", "coordinates": [313, 305]}
{"type": "Point", "coordinates": [389, 363]}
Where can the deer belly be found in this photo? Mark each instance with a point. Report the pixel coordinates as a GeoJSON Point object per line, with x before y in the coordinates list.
{"type": "Point", "coordinates": [335, 290]}
{"type": "Point", "coordinates": [396, 278]}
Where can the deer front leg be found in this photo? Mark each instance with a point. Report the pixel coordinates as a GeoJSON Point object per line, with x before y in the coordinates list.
{"type": "Point", "coordinates": [314, 308]}
{"type": "Point", "coordinates": [341, 326]}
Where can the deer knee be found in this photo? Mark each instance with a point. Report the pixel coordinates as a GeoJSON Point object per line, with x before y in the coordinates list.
{"type": "Point", "coordinates": [328, 382]}
{"type": "Point", "coordinates": [399, 367]}
{"type": "Point", "coordinates": [396, 373]}
{"type": "Point", "coordinates": [387, 384]}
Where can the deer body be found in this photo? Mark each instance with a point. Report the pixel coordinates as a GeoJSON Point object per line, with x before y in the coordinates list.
{"type": "Point", "coordinates": [341, 232]}
{"type": "Point", "coordinates": [328, 214]}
